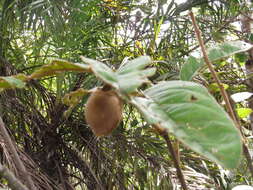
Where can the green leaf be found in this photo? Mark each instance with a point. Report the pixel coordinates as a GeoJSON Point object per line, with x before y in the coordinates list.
{"type": "Point", "coordinates": [132, 74]}
{"type": "Point", "coordinates": [128, 77]}
{"type": "Point", "coordinates": [187, 110]}
{"type": "Point", "coordinates": [16, 81]}
{"type": "Point", "coordinates": [58, 66]}
{"type": "Point", "coordinates": [226, 49]}
{"type": "Point", "coordinates": [243, 112]}
{"type": "Point", "coordinates": [241, 57]}
{"type": "Point", "coordinates": [135, 64]}
{"type": "Point", "coordinates": [190, 68]}
{"type": "Point", "coordinates": [215, 88]}
{"type": "Point", "coordinates": [102, 71]}
{"type": "Point", "coordinates": [72, 99]}
{"type": "Point", "coordinates": [129, 82]}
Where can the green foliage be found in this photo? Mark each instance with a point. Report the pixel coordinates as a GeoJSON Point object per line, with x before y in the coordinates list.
{"type": "Point", "coordinates": [128, 78]}
{"type": "Point", "coordinates": [58, 66]}
{"type": "Point", "coordinates": [215, 88]}
{"type": "Point", "coordinates": [224, 50]}
{"type": "Point", "coordinates": [243, 112]}
{"type": "Point", "coordinates": [17, 81]}
{"type": "Point", "coordinates": [33, 32]}
{"type": "Point", "coordinates": [72, 99]}
{"type": "Point", "coordinates": [187, 110]}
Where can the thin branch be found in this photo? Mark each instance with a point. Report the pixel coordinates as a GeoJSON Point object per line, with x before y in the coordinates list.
{"type": "Point", "coordinates": [223, 91]}
{"type": "Point", "coordinates": [13, 182]}
{"type": "Point", "coordinates": [18, 162]}
{"type": "Point", "coordinates": [218, 30]}
{"type": "Point", "coordinates": [248, 158]}
{"type": "Point", "coordinates": [211, 68]}
{"type": "Point", "coordinates": [188, 5]}
{"type": "Point", "coordinates": [175, 160]}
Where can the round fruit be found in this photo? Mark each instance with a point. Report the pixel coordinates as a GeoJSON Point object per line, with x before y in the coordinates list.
{"type": "Point", "coordinates": [103, 111]}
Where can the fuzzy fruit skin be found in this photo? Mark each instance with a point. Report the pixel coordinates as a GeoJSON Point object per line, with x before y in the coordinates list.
{"type": "Point", "coordinates": [103, 112]}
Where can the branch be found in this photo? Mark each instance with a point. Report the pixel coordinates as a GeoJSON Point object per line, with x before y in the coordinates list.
{"type": "Point", "coordinates": [13, 182]}
{"type": "Point", "coordinates": [174, 156]}
{"type": "Point", "coordinates": [188, 5]}
{"type": "Point", "coordinates": [18, 162]}
{"type": "Point", "coordinates": [175, 160]}
{"type": "Point", "coordinates": [211, 68]}
{"type": "Point", "coordinates": [223, 91]}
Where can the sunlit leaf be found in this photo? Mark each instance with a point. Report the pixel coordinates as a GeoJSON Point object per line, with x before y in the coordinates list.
{"type": "Point", "coordinates": [243, 112]}
{"type": "Point", "coordinates": [74, 97]}
{"type": "Point", "coordinates": [215, 88]}
{"type": "Point", "coordinates": [242, 187]}
{"type": "Point", "coordinates": [187, 110]}
{"type": "Point", "coordinates": [226, 49]}
{"type": "Point", "coordinates": [58, 66]}
{"type": "Point", "coordinates": [16, 81]}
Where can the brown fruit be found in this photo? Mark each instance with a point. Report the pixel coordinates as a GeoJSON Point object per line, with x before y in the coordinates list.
{"type": "Point", "coordinates": [103, 111]}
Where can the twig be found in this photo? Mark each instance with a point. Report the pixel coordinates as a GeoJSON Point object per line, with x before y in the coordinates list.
{"type": "Point", "coordinates": [210, 66]}
{"type": "Point", "coordinates": [18, 162]}
{"type": "Point", "coordinates": [175, 160]}
{"type": "Point", "coordinates": [223, 91]}
{"type": "Point", "coordinates": [13, 182]}
{"type": "Point", "coordinates": [248, 158]}
{"type": "Point", "coordinates": [218, 30]}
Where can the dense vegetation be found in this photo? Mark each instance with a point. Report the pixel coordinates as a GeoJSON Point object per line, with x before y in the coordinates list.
{"type": "Point", "coordinates": [61, 152]}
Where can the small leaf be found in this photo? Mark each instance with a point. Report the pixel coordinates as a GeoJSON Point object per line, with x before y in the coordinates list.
{"type": "Point", "coordinates": [190, 68]}
{"type": "Point", "coordinates": [215, 88]}
{"type": "Point", "coordinates": [243, 112]}
{"type": "Point", "coordinates": [72, 99]}
{"type": "Point", "coordinates": [102, 71]}
{"type": "Point", "coordinates": [135, 64]}
{"type": "Point", "coordinates": [187, 110]}
{"type": "Point", "coordinates": [58, 66]}
{"type": "Point", "coordinates": [15, 81]}
{"type": "Point", "coordinates": [133, 74]}
{"type": "Point", "coordinates": [128, 77]}
{"type": "Point", "coordinates": [226, 49]}
{"type": "Point", "coordinates": [129, 82]}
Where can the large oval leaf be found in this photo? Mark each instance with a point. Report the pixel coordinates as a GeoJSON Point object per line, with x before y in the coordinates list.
{"type": "Point", "coordinates": [188, 111]}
